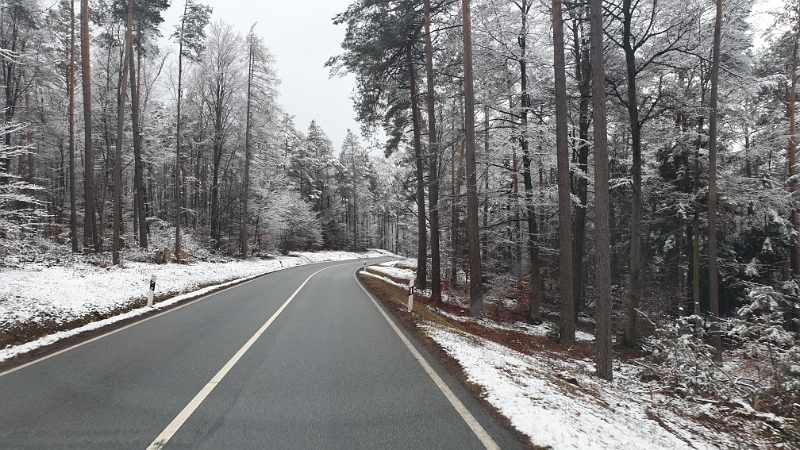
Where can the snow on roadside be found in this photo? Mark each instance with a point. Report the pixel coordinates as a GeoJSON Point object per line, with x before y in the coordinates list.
{"type": "Point", "coordinates": [389, 269]}
{"type": "Point", "coordinates": [533, 391]}
{"type": "Point", "coordinates": [385, 280]}
{"type": "Point", "coordinates": [11, 352]}
{"type": "Point", "coordinates": [394, 272]}
{"type": "Point", "coordinates": [61, 294]}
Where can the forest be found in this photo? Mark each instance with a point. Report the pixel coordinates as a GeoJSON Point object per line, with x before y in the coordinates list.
{"type": "Point", "coordinates": [628, 161]}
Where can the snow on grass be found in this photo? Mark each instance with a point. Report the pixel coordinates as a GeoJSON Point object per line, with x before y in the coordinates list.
{"type": "Point", "coordinates": [541, 330]}
{"type": "Point", "coordinates": [394, 272]}
{"type": "Point", "coordinates": [407, 263]}
{"type": "Point", "coordinates": [388, 269]}
{"type": "Point", "coordinates": [37, 294]}
{"type": "Point", "coordinates": [544, 329]}
{"type": "Point", "coordinates": [534, 392]}
{"type": "Point", "coordinates": [385, 280]}
{"type": "Point", "coordinates": [16, 350]}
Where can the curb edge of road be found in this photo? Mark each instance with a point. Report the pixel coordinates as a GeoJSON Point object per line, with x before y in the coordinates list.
{"type": "Point", "coordinates": [446, 363]}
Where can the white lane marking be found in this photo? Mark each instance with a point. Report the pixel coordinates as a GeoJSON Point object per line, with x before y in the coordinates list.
{"type": "Point", "coordinates": [462, 410]}
{"type": "Point", "coordinates": [176, 423]}
{"type": "Point", "coordinates": [137, 322]}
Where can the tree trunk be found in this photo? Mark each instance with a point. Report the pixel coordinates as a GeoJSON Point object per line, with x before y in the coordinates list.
{"type": "Point", "coordinates": [535, 312]}
{"type": "Point", "coordinates": [473, 232]}
{"type": "Point", "coordinates": [696, 235]}
{"type": "Point", "coordinates": [517, 236]}
{"type": "Point", "coordinates": [115, 245]}
{"type": "Point", "coordinates": [355, 200]}
{"type": "Point", "coordinates": [30, 174]}
{"type": "Point", "coordinates": [680, 269]}
{"type": "Point", "coordinates": [583, 75]}
{"type": "Point", "coordinates": [713, 288]}
{"type": "Point", "coordinates": [90, 235]}
{"type": "Point", "coordinates": [456, 210]}
{"type": "Point", "coordinates": [138, 174]}
{"type": "Point", "coordinates": [73, 204]}
{"type": "Point", "coordinates": [422, 243]}
{"type": "Point", "coordinates": [433, 157]}
{"type": "Point", "coordinates": [486, 146]}
{"type": "Point", "coordinates": [602, 229]}
{"type": "Point", "coordinates": [792, 153]}
{"type": "Point", "coordinates": [636, 260]}
{"type": "Point", "coordinates": [245, 195]}
{"type": "Point", "coordinates": [562, 154]}
{"type": "Point", "coordinates": [178, 139]}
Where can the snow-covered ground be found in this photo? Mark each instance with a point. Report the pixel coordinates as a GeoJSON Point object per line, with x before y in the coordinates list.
{"type": "Point", "coordinates": [541, 330]}
{"type": "Point", "coordinates": [559, 403]}
{"type": "Point", "coordinates": [394, 272]}
{"type": "Point", "coordinates": [37, 294]}
{"type": "Point", "coordinates": [535, 393]}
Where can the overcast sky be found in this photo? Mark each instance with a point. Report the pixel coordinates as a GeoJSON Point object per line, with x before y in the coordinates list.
{"type": "Point", "coordinates": [301, 36]}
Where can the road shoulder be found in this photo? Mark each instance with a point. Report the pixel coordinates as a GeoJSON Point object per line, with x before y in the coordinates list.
{"type": "Point", "coordinates": [393, 300]}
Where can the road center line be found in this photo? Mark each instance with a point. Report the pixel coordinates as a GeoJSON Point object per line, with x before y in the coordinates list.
{"type": "Point", "coordinates": [462, 410]}
{"type": "Point", "coordinates": [184, 415]}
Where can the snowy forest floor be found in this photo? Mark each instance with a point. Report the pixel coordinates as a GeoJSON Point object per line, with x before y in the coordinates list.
{"type": "Point", "coordinates": [549, 393]}
{"type": "Point", "coordinates": [48, 294]}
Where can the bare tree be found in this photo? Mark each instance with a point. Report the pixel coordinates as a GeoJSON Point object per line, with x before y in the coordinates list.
{"type": "Point", "coordinates": [433, 158]}
{"type": "Point", "coordinates": [713, 287]}
{"type": "Point", "coordinates": [530, 210]}
{"type": "Point", "coordinates": [115, 245]}
{"type": "Point", "coordinates": [791, 151]}
{"type": "Point", "coordinates": [473, 233]}
{"type": "Point", "coordinates": [602, 229]}
{"type": "Point", "coordinates": [422, 238]}
{"type": "Point", "coordinates": [90, 235]}
{"type": "Point", "coordinates": [222, 83]}
{"type": "Point", "coordinates": [564, 203]}
{"type": "Point", "coordinates": [190, 35]}
{"type": "Point", "coordinates": [251, 56]}
{"type": "Point", "coordinates": [138, 170]}
{"type": "Point", "coordinates": [73, 204]}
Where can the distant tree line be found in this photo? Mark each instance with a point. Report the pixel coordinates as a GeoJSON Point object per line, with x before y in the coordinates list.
{"type": "Point", "coordinates": [110, 140]}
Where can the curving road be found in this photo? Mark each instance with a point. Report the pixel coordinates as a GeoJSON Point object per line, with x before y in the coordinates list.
{"type": "Point", "coordinates": [298, 359]}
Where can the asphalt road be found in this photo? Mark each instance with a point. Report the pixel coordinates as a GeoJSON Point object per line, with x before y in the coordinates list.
{"type": "Point", "coordinates": [328, 371]}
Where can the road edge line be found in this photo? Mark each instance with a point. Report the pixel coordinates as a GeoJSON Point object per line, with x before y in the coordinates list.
{"type": "Point", "coordinates": [169, 309]}
{"type": "Point", "coordinates": [462, 410]}
{"type": "Point", "coordinates": [142, 318]}
{"type": "Point", "coordinates": [164, 437]}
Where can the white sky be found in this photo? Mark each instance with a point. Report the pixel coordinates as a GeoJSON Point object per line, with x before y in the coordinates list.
{"type": "Point", "coordinates": [301, 36]}
{"type": "Point", "coordinates": [762, 19]}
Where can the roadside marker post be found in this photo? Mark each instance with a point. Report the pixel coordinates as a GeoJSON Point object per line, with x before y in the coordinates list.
{"type": "Point", "coordinates": [151, 291]}
{"type": "Point", "coordinates": [410, 295]}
